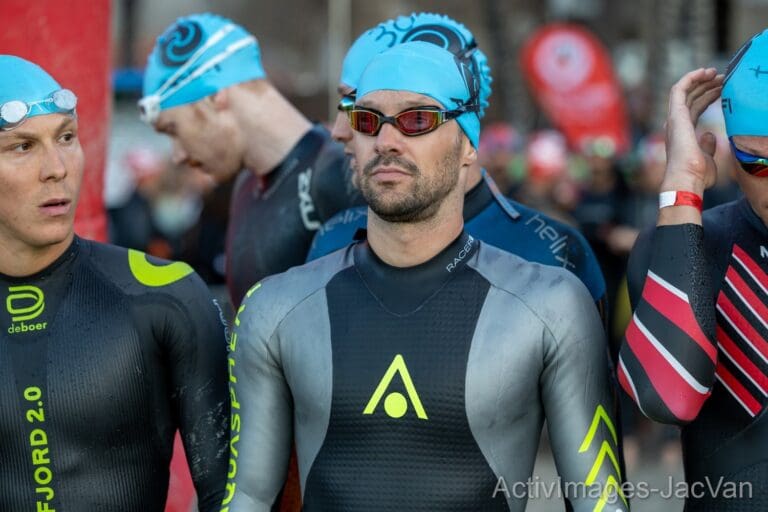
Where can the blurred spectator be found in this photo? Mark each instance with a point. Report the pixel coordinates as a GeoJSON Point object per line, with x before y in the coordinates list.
{"type": "Point", "coordinates": [128, 209]}
{"type": "Point", "coordinates": [170, 213]}
{"type": "Point", "coordinates": [176, 199]}
{"type": "Point", "coordinates": [547, 186]}
{"type": "Point", "coordinates": [601, 214]}
{"type": "Point", "coordinates": [499, 144]}
{"type": "Point", "coordinates": [203, 246]}
{"type": "Point", "coordinates": [643, 203]}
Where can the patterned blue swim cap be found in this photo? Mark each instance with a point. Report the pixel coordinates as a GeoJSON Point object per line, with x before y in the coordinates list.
{"type": "Point", "coordinates": [431, 28]}
{"type": "Point", "coordinates": [745, 92]}
{"type": "Point", "coordinates": [424, 68]}
{"type": "Point", "coordinates": [195, 57]}
{"type": "Point", "coordinates": [27, 90]}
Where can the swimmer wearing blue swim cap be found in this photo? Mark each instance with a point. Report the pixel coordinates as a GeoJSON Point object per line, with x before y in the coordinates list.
{"type": "Point", "coordinates": [419, 301]}
{"type": "Point", "coordinates": [694, 353]}
{"type": "Point", "coordinates": [205, 87]}
{"type": "Point", "coordinates": [108, 352]}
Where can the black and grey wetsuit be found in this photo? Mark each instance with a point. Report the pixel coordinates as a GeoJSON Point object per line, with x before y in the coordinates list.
{"type": "Point", "coordinates": [103, 355]}
{"type": "Point", "coordinates": [418, 388]}
{"type": "Point", "coordinates": [696, 351]}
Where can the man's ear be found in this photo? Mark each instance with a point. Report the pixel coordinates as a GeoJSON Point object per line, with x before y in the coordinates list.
{"type": "Point", "coordinates": [220, 99]}
{"type": "Point", "coordinates": [469, 153]}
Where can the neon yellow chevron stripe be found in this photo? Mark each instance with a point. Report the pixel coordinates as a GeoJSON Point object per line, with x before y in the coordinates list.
{"type": "Point", "coordinates": [600, 414]}
{"type": "Point", "coordinates": [605, 449]}
{"type": "Point", "coordinates": [611, 483]}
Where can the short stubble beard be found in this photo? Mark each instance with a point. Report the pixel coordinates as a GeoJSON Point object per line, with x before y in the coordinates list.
{"type": "Point", "coordinates": [423, 200]}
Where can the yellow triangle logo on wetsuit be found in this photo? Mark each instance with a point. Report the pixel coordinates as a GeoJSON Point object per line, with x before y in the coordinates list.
{"type": "Point", "coordinates": [395, 404]}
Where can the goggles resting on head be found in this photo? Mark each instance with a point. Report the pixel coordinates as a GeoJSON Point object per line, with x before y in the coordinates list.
{"type": "Point", "coordinates": [751, 164]}
{"type": "Point", "coordinates": [15, 112]}
{"type": "Point", "coordinates": [411, 122]}
{"type": "Point", "coordinates": [149, 106]}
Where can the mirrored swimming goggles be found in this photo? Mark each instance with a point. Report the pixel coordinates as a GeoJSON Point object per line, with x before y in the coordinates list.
{"type": "Point", "coordinates": [752, 164]}
{"type": "Point", "coordinates": [411, 122]}
{"type": "Point", "coordinates": [15, 112]}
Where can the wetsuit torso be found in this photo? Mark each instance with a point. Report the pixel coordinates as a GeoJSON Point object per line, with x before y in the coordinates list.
{"type": "Point", "coordinates": [273, 218]}
{"type": "Point", "coordinates": [696, 351]}
{"type": "Point", "coordinates": [103, 355]}
{"type": "Point", "coordinates": [418, 388]}
{"type": "Point", "coordinates": [498, 221]}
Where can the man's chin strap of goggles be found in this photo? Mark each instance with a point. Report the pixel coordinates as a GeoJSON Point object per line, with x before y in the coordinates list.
{"type": "Point", "coordinates": [149, 106]}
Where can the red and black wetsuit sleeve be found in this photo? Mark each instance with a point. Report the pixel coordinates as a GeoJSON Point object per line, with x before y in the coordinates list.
{"type": "Point", "coordinates": [668, 354]}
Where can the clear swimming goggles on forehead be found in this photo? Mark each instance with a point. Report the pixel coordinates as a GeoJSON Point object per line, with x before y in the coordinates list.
{"type": "Point", "coordinates": [149, 106]}
{"type": "Point", "coordinates": [15, 112]}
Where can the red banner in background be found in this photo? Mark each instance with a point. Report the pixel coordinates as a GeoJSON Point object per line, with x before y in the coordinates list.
{"type": "Point", "coordinates": [571, 77]}
{"type": "Point", "coordinates": [71, 40]}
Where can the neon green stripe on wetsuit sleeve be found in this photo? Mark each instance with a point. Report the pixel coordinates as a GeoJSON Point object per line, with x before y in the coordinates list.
{"type": "Point", "coordinates": [149, 274]}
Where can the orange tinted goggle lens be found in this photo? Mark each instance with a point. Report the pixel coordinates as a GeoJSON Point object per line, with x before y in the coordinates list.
{"type": "Point", "coordinates": [364, 121]}
{"type": "Point", "coordinates": [410, 122]}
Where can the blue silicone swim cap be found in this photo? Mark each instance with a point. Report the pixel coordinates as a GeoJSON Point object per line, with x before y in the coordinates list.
{"type": "Point", "coordinates": [195, 57]}
{"type": "Point", "coordinates": [431, 28]}
{"type": "Point", "coordinates": [745, 92]}
{"type": "Point", "coordinates": [27, 90]}
{"type": "Point", "coordinates": [424, 68]}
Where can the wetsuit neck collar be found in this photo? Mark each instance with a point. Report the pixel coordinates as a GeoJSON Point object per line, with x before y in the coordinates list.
{"type": "Point", "coordinates": [63, 261]}
{"type": "Point", "coordinates": [476, 200]}
{"type": "Point", "coordinates": [298, 156]}
{"type": "Point", "coordinates": [402, 290]}
{"type": "Point", "coordinates": [752, 217]}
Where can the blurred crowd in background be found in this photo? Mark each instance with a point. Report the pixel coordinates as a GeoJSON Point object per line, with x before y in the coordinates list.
{"type": "Point", "coordinates": [609, 192]}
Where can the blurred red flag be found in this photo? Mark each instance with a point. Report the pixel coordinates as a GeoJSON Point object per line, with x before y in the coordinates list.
{"type": "Point", "coordinates": [71, 40]}
{"type": "Point", "coordinates": [571, 77]}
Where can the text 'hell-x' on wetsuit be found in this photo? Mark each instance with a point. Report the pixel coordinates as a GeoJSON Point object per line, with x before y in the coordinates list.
{"type": "Point", "coordinates": [103, 355]}
{"type": "Point", "coordinates": [696, 351]}
{"type": "Point", "coordinates": [418, 388]}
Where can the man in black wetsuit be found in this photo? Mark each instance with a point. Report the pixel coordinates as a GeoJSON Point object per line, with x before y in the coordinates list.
{"type": "Point", "coordinates": [415, 369]}
{"type": "Point", "coordinates": [696, 351]}
{"type": "Point", "coordinates": [104, 352]}
{"type": "Point", "coordinates": [205, 87]}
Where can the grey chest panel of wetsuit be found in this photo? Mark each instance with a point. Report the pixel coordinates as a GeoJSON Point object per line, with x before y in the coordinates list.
{"type": "Point", "coordinates": [273, 219]}
{"type": "Point", "coordinates": [417, 388]}
{"type": "Point", "coordinates": [103, 355]}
